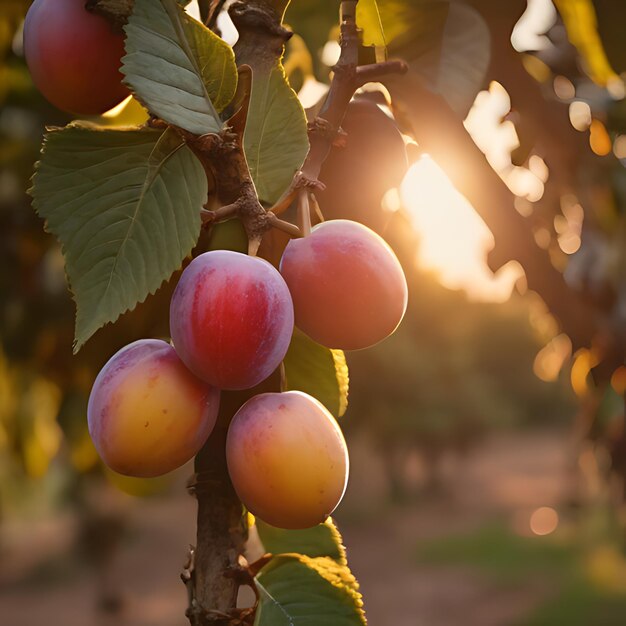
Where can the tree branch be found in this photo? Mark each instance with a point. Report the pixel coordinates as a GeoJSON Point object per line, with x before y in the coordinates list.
{"type": "Point", "coordinates": [286, 227]}
{"type": "Point", "coordinates": [441, 133]}
{"type": "Point", "coordinates": [323, 130]}
{"type": "Point", "coordinates": [376, 72]}
{"type": "Point", "coordinates": [221, 536]}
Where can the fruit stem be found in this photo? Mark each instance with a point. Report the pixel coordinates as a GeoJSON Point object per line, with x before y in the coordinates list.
{"type": "Point", "coordinates": [304, 213]}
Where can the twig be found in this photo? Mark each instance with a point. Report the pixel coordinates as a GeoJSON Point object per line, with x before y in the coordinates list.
{"type": "Point", "coordinates": [223, 213]}
{"type": "Point", "coordinates": [378, 71]}
{"type": "Point", "coordinates": [287, 227]}
{"type": "Point", "coordinates": [316, 207]}
{"type": "Point", "coordinates": [323, 130]}
{"type": "Point", "coordinates": [209, 10]}
{"type": "Point", "coordinates": [431, 118]}
{"type": "Point", "coordinates": [116, 12]}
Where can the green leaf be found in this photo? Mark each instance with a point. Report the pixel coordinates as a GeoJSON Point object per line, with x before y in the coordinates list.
{"type": "Point", "coordinates": [368, 20]}
{"type": "Point", "coordinates": [446, 44]}
{"type": "Point", "coordinates": [178, 68]}
{"type": "Point", "coordinates": [275, 140]}
{"type": "Point", "coordinates": [318, 371]}
{"type": "Point", "coordinates": [125, 206]}
{"type": "Point", "coordinates": [297, 590]}
{"type": "Point", "coordinates": [321, 540]}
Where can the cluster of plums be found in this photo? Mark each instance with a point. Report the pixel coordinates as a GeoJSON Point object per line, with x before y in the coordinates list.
{"type": "Point", "coordinates": [153, 405]}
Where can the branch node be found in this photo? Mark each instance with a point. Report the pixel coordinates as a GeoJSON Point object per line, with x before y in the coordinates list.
{"type": "Point", "coordinates": [260, 19]}
{"type": "Point", "coordinates": [322, 128]}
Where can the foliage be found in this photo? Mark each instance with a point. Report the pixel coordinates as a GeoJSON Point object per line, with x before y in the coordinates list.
{"type": "Point", "coordinates": [296, 589]}
{"type": "Point", "coordinates": [318, 371]}
{"type": "Point", "coordinates": [127, 214]}
{"type": "Point", "coordinates": [322, 540]}
{"type": "Point", "coordinates": [447, 45]}
{"type": "Point", "coordinates": [177, 67]}
{"type": "Point", "coordinates": [305, 559]}
{"type": "Point", "coordinates": [454, 369]}
{"type": "Point", "coordinates": [276, 139]}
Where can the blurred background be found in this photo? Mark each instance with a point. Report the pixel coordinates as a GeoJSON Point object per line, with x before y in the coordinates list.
{"type": "Point", "coordinates": [487, 440]}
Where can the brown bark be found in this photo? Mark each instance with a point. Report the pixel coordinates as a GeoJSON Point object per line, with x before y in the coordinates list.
{"type": "Point", "coordinates": [212, 576]}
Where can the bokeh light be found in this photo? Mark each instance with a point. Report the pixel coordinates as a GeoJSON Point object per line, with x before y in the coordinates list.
{"type": "Point", "coordinates": [544, 521]}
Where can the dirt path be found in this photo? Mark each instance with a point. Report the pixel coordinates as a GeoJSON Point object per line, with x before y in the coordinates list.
{"type": "Point", "coordinates": [507, 477]}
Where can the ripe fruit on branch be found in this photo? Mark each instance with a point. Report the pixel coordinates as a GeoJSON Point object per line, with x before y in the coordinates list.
{"type": "Point", "coordinates": [231, 319]}
{"type": "Point", "coordinates": [358, 175]}
{"type": "Point", "coordinates": [74, 56]}
{"type": "Point", "coordinates": [348, 288]}
{"type": "Point", "coordinates": [287, 459]}
{"type": "Point", "coordinates": [147, 413]}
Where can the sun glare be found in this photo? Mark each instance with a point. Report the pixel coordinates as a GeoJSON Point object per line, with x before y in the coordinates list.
{"type": "Point", "coordinates": [454, 239]}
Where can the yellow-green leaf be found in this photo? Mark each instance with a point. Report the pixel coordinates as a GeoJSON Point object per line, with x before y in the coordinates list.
{"type": "Point", "coordinates": [368, 20]}
{"type": "Point", "coordinates": [321, 540]}
{"type": "Point", "coordinates": [581, 21]}
{"type": "Point", "coordinates": [297, 590]}
{"type": "Point", "coordinates": [318, 371]}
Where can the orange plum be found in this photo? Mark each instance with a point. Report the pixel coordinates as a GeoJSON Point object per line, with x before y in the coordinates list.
{"type": "Point", "coordinates": [147, 413]}
{"type": "Point", "coordinates": [74, 56]}
{"type": "Point", "coordinates": [347, 285]}
{"type": "Point", "coordinates": [287, 459]}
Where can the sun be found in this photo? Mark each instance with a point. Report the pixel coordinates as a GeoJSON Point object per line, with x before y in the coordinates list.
{"type": "Point", "coordinates": [454, 239]}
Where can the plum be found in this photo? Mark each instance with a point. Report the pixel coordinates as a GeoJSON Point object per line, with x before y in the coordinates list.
{"type": "Point", "coordinates": [347, 286]}
{"type": "Point", "coordinates": [74, 56]}
{"type": "Point", "coordinates": [287, 459]}
{"type": "Point", "coordinates": [147, 413]}
{"type": "Point", "coordinates": [231, 319]}
{"type": "Point", "coordinates": [374, 148]}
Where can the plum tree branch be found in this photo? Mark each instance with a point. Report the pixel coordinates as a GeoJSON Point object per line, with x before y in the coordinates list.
{"type": "Point", "coordinates": [211, 574]}
{"type": "Point", "coordinates": [441, 133]}
{"type": "Point", "coordinates": [323, 130]}
{"type": "Point", "coordinates": [376, 72]}
{"type": "Point", "coordinates": [286, 227]}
